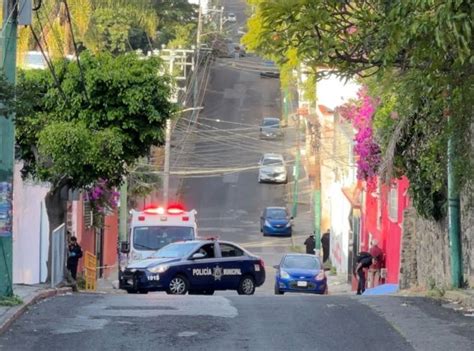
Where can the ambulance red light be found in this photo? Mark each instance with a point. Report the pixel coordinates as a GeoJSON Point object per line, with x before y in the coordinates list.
{"type": "Point", "coordinates": [175, 209]}
{"type": "Point", "coordinates": [141, 218]}
{"type": "Point", "coordinates": [155, 210]}
{"type": "Point", "coordinates": [185, 218]}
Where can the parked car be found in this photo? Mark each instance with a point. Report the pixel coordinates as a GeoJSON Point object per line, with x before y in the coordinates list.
{"type": "Point", "coordinates": [300, 273]}
{"type": "Point", "coordinates": [269, 74]}
{"type": "Point", "coordinates": [272, 168]}
{"type": "Point", "coordinates": [270, 128]}
{"type": "Point", "coordinates": [231, 17]}
{"type": "Point", "coordinates": [276, 221]}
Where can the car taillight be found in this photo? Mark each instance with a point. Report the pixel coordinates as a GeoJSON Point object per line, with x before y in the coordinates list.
{"type": "Point", "coordinates": [321, 275]}
{"type": "Point", "coordinates": [260, 261]}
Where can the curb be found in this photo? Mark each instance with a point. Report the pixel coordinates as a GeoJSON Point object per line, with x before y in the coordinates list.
{"type": "Point", "coordinates": [458, 295]}
{"type": "Point", "coordinates": [16, 312]}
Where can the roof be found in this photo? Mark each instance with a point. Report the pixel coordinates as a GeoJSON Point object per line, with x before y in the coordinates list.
{"type": "Point", "coordinates": [271, 118]}
{"type": "Point", "coordinates": [275, 208]}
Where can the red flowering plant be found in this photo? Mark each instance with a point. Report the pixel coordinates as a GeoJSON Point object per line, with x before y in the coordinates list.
{"type": "Point", "coordinates": [103, 197]}
{"type": "Point", "coordinates": [360, 114]}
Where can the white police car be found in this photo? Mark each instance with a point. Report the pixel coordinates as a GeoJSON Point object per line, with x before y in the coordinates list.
{"type": "Point", "coordinates": [196, 267]}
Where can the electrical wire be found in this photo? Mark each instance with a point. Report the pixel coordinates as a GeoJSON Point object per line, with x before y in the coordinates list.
{"type": "Point", "coordinates": [75, 50]}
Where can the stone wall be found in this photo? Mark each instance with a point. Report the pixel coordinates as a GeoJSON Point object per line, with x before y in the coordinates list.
{"type": "Point", "coordinates": [425, 254]}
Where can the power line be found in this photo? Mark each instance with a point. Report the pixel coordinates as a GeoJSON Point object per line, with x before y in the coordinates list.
{"type": "Point", "coordinates": [75, 50]}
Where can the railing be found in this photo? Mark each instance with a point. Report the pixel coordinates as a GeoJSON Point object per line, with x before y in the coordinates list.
{"type": "Point", "coordinates": [90, 271]}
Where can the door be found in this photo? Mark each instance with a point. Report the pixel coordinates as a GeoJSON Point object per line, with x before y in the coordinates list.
{"type": "Point", "coordinates": [232, 264]}
{"type": "Point", "coordinates": [200, 271]}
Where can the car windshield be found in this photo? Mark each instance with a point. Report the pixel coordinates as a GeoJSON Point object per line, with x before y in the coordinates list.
{"type": "Point", "coordinates": [301, 262]}
{"type": "Point", "coordinates": [272, 162]}
{"type": "Point", "coordinates": [175, 250]}
{"type": "Point", "coordinates": [275, 213]}
{"type": "Point", "coordinates": [153, 238]}
{"type": "Point", "coordinates": [271, 122]}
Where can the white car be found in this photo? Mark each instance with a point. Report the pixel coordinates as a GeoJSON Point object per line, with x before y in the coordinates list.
{"type": "Point", "coordinates": [231, 17]}
{"type": "Point", "coordinates": [272, 168]}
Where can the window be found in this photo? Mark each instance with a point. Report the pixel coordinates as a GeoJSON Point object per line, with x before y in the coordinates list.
{"type": "Point", "coordinates": [155, 237]}
{"type": "Point", "coordinates": [207, 250]}
{"type": "Point", "coordinates": [230, 251]}
{"type": "Point", "coordinates": [393, 203]}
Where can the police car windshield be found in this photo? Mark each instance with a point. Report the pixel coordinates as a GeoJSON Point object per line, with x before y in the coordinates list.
{"type": "Point", "coordinates": [301, 262]}
{"type": "Point", "coordinates": [153, 238]}
{"type": "Point", "coordinates": [175, 250]}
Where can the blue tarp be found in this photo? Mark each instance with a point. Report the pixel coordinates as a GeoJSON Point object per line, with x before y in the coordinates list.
{"type": "Point", "coordinates": [384, 289]}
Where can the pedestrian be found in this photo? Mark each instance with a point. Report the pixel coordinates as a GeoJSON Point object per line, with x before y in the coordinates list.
{"type": "Point", "coordinates": [74, 254]}
{"type": "Point", "coordinates": [364, 260]}
{"type": "Point", "coordinates": [374, 270]}
{"type": "Point", "coordinates": [325, 242]}
{"type": "Point", "coordinates": [310, 244]}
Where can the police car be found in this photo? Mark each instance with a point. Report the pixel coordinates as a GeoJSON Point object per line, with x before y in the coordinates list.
{"type": "Point", "coordinates": [196, 267]}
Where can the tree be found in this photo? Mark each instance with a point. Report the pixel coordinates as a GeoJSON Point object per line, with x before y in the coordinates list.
{"type": "Point", "coordinates": [75, 133]}
{"type": "Point", "coordinates": [416, 55]}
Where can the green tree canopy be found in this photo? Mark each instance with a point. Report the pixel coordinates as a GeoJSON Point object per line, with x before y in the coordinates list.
{"type": "Point", "coordinates": [81, 131]}
{"type": "Point", "coordinates": [419, 58]}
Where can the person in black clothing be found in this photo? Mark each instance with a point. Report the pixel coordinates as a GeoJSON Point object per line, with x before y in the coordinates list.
{"type": "Point", "coordinates": [364, 260]}
{"type": "Point", "coordinates": [310, 244]}
{"type": "Point", "coordinates": [74, 254]}
{"type": "Point", "coordinates": [325, 240]}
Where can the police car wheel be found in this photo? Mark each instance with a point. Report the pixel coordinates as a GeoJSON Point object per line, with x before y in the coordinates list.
{"type": "Point", "coordinates": [178, 286]}
{"type": "Point", "coordinates": [246, 286]}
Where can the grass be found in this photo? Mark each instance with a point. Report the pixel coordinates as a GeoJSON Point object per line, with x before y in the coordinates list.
{"type": "Point", "coordinates": [9, 301]}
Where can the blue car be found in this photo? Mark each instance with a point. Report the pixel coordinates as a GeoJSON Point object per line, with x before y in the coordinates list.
{"type": "Point", "coordinates": [195, 267]}
{"type": "Point", "coordinates": [276, 221]}
{"type": "Point", "coordinates": [300, 273]}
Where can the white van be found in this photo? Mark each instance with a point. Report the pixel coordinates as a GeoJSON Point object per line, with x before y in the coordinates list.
{"type": "Point", "coordinates": [154, 228]}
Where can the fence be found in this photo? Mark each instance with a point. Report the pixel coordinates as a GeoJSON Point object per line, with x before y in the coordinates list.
{"type": "Point", "coordinates": [90, 264]}
{"type": "Point", "coordinates": [58, 255]}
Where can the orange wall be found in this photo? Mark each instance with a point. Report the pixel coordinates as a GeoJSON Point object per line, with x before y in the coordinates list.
{"type": "Point", "coordinates": [110, 243]}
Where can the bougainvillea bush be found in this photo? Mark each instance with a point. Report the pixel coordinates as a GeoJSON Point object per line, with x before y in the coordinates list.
{"type": "Point", "coordinates": [360, 114]}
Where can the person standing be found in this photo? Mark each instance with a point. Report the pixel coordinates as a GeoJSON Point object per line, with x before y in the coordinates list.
{"type": "Point", "coordinates": [374, 270]}
{"type": "Point", "coordinates": [74, 254]}
{"type": "Point", "coordinates": [325, 242]}
{"type": "Point", "coordinates": [310, 244]}
{"type": "Point", "coordinates": [364, 260]}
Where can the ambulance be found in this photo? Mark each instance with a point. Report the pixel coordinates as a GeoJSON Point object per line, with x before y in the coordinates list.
{"type": "Point", "coordinates": [155, 227]}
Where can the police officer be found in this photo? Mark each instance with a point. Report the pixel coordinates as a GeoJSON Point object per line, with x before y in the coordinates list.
{"type": "Point", "coordinates": [74, 254]}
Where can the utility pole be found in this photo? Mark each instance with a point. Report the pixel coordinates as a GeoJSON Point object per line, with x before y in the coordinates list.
{"type": "Point", "coordinates": [196, 72]}
{"type": "Point", "coordinates": [7, 140]}
{"type": "Point", "coordinates": [221, 19]}
{"type": "Point", "coordinates": [166, 168]}
{"type": "Point", "coordinates": [294, 210]}
{"type": "Point", "coordinates": [454, 204]}
{"type": "Point", "coordinates": [317, 193]}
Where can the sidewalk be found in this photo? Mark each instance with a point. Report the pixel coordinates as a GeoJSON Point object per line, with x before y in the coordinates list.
{"type": "Point", "coordinates": [30, 294]}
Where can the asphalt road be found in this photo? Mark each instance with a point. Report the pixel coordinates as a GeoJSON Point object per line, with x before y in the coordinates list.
{"type": "Point", "coordinates": [160, 322]}
{"type": "Point", "coordinates": [222, 153]}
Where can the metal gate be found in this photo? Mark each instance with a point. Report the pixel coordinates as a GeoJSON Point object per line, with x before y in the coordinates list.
{"type": "Point", "coordinates": [58, 255]}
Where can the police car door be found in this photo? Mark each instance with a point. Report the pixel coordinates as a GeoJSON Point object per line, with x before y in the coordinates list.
{"type": "Point", "coordinates": [233, 265]}
{"type": "Point", "coordinates": [201, 270]}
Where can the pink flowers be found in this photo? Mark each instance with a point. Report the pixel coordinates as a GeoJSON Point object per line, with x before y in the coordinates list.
{"type": "Point", "coordinates": [360, 113]}
{"type": "Point", "coordinates": [103, 197]}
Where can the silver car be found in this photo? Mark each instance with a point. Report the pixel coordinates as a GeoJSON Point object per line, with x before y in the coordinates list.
{"type": "Point", "coordinates": [272, 168]}
{"type": "Point", "coordinates": [270, 128]}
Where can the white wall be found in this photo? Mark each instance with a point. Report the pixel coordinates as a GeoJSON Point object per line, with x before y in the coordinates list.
{"type": "Point", "coordinates": [340, 228]}
{"type": "Point", "coordinates": [30, 231]}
